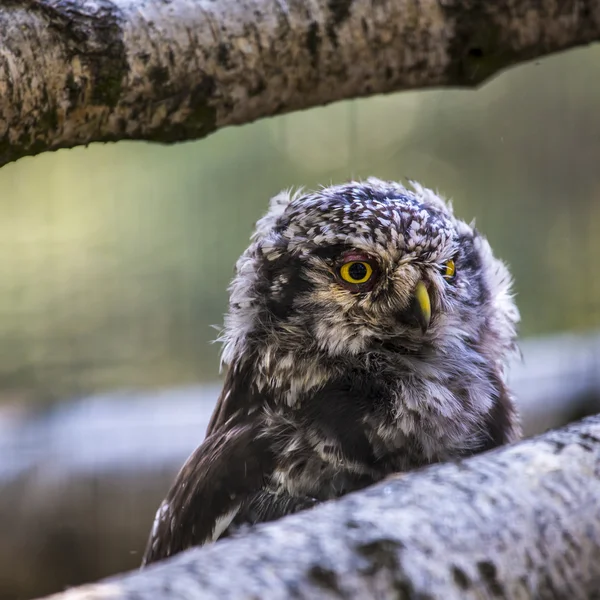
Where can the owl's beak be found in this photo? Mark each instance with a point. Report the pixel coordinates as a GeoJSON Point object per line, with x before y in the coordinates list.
{"type": "Point", "coordinates": [421, 306]}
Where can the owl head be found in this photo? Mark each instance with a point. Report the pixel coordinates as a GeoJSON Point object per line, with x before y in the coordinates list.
{"type": "Point", "coordinates": [368, 267]}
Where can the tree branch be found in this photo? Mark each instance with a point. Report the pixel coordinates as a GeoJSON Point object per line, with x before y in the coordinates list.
{"type": "Point", "coordinates": [78, 71]}
{"type": "Point", "coordinates": [520, 522]}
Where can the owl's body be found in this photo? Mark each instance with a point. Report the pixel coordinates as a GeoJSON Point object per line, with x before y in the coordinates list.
{"type": "Point", "coordinates": [368, 333]}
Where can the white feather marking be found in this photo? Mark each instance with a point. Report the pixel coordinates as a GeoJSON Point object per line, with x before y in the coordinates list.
{"type": "Point", "coordinates": [223, 522]}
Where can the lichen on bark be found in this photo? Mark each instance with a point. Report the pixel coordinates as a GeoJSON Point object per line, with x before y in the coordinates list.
{"type": "Point", "coordinates": [76, 71]}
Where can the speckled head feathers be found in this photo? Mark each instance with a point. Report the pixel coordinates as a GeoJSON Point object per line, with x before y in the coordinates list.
{"type": "Point", "coordinates": [286, 294]}
{"type": "Point", "coordinates": [374, 215]}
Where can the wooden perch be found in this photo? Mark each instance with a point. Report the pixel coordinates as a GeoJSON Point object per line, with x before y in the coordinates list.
{"type": "Point", "coordinates": [76, 71]}
{"type": "Point", "coordinates": [520, 522]}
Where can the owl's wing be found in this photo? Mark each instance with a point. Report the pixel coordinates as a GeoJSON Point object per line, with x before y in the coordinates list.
{"type": "Point", "coordinates": [502, 425]}
{"type": "Point", "coordinates": [236, 402]}
{"type": "Point", "coordinates": [268, 505]}
{"type": "Point", "coordinates": [231, 466]}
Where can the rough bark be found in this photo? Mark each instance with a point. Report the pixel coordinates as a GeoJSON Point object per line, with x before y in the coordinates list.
{"type": "Point", "coordinates": [520, 522]}
{"type": "Point", "coordinates": [79, 71]}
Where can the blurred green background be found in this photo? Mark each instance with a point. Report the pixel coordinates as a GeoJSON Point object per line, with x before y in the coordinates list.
{"type": "Point", "coordinates": [116, 258]}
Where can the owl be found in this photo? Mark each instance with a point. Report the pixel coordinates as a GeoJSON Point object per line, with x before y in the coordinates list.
{"type": "Point", "coordinates": [368, 333]}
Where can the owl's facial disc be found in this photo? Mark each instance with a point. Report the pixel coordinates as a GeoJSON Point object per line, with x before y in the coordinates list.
{"type": "Point", "coordinates": [359, 272]}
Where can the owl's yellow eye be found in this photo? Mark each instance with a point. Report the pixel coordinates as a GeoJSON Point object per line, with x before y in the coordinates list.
{"type": "Point", "coordinates": [449, 269]}
{"type": "Point", "coordinates": [356, 271]}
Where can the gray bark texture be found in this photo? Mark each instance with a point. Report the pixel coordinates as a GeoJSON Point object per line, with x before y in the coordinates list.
{"type": "Point", "coordinates": [520, 522]}
{"type": "Point", "coordinates": [79, 71]}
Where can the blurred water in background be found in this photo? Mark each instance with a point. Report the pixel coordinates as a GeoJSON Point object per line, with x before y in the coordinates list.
{"type": "Point", "coordinates": [115, 259]}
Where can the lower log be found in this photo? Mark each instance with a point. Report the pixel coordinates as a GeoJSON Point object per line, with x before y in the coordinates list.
{"type": "Point", "coordinates": [520, 522]}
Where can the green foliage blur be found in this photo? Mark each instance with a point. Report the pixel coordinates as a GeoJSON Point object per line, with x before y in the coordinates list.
{"type": "Point", "coordinates": [116, 258]}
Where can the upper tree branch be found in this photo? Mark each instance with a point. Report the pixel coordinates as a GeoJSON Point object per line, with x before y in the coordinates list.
{"type": "Point", "coordinates": [79, 71]}
{"type": "Point", "coordinates": [520, 522]}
